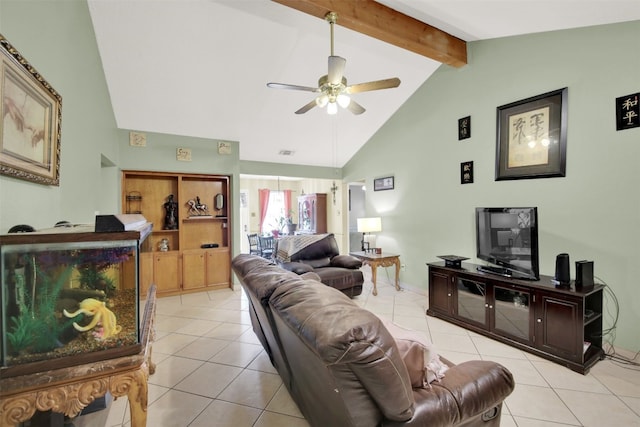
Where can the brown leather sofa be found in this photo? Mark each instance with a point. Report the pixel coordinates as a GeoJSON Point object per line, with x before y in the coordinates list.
{"type": "Point", "coordinates": [342, 367]}
{"type": "Point", "coordinates": [323, 258]}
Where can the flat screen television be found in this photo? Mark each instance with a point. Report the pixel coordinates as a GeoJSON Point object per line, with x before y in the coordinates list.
{"type": "Point", "coordinates": [508, 239]}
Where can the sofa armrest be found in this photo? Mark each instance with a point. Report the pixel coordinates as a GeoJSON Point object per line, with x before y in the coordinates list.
{"type": "Point", "coordinates": [346, 261]}
{"type": "Point", "coordinates": [296, 267]}
{"type": "Point", "coordinates": [472, 390]}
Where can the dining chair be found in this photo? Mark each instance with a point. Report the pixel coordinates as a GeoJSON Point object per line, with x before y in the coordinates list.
{"type": "Point", "coordinates": [254, 245]}
{"type": "Point", "coordinates": [267, 246]}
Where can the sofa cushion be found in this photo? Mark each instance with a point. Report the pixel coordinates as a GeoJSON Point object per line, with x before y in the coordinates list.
{"type": "Point", "coordinates": [317, 262]}
{"type": "Point", "coordinates": [346, 261]}
{"type": "Point", "coordinates": [310, 275]}
{"type": "Point", "coordinates": [296, 267]}
{"type": "Point", "coordinates": [339, 278]}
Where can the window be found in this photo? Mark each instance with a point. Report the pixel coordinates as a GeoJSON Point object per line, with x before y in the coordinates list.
{"type": "Point", "coordinates": [275, 211]}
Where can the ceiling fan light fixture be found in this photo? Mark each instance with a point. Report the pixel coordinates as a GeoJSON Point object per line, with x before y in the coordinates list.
{"type": "Point", "coordinates": [343, 100]}
{"type": "Point", "coordinates": [322, 101]}
{"type": "Point", "coordinates": [332, 108]}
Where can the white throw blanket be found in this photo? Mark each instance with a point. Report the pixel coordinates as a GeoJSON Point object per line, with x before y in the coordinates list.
{"type": "Point", "coordinates": [291, 245]}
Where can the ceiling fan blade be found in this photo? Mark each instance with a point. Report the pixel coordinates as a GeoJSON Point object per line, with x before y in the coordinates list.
{"type": "Point", "coordinates": [292, 87]}
{"type": "Point", "coordinates": [336, 69]}
{"type": "Point", "coordinates": [307, 107]}
{"type": "Point", "coordinates": [375, 85]}
{"type": "Point", "coordinates": [355, 108]}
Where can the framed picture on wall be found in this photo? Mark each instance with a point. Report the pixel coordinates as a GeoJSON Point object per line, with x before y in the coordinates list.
{"type": "Point", "coordinates": [385, 183]}
{"type": "Point", "coordinates": [532, 137]}
{"type": "Point", "coordinates": [31, 117]}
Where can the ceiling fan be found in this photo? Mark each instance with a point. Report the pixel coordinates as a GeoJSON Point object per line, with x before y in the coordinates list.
{"type": "Point", "coordinates": [332, 87]}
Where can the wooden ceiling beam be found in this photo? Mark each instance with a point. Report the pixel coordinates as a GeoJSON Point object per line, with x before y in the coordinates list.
{"type": "Point", "coordinates": [383, 23]}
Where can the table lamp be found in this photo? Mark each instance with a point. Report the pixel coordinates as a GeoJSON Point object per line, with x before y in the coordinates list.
{"type": "Point", "coordinates": [366, 226]}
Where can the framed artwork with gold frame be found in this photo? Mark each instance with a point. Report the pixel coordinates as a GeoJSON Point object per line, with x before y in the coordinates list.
{"type": "Point", "coordinates": [31, 118]}
{"type": "Point", "coordinates": [532, 137]}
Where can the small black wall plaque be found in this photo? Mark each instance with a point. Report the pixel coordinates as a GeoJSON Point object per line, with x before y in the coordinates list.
{"type": "Point", "coordinates": [466, 172]}
{"type": "Point", "coordinates": [628, 112]}
{"type": "Point", "coordinates": [464, 128]}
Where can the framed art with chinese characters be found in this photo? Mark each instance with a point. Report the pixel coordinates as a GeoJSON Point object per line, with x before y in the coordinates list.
{"type": "Point", "coordinates": [31, 117]}
{"type": "Point", "coordinates": [532, 137]}
{"type": "Point", "coordinates": [628, 112]}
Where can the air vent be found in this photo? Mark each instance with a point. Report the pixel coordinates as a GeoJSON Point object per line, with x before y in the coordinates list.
{"type": "Point", "coordinates": [286, 152]}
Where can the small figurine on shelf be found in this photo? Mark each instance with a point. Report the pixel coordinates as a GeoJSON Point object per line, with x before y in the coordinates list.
{"type": "Point", "coordinates": [171, 214]}
{"type": "Point", "coordinates": [196, 208]}
{"type": "Point", "coordinates": [163, 245]}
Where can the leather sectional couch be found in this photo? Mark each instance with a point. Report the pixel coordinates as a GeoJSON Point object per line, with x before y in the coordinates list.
{"type": "Point", "coordinates": [343, 368]}
{"type": "Point", "coordinates": [320, 254]}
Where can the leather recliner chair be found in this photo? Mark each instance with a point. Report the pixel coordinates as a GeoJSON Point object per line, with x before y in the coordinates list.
{"type": "Point", "coordinates": [323, 258]}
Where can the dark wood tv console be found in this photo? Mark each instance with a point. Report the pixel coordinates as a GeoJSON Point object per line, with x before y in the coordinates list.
{"type": "Point", "coordinates": [560, 324]}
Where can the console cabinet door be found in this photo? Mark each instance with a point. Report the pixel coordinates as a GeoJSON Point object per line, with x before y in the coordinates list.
{"type": "Point", "coordinates": [440, 292]}
{"type": "Point", "coordinates": [472, 303]}
{"type": "Point", "coordinates": [558, 326]}
{"type": "Point", "coordinates": [513, 314]}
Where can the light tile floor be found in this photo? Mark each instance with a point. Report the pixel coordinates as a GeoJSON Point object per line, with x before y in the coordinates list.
{"type": "Point", "coordinates": [212, 371]}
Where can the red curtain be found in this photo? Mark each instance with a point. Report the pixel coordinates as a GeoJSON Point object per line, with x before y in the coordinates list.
{"type": "Point", "coordinates": [287, 203]}
{"type": "Point", "coordinates": [263, 200]}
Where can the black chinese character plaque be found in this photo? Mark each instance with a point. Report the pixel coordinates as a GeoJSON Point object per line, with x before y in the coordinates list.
{"type": "Point", "coordinates": [466, 173]}
{"type": "Point", "coordinates": [628, 112]}
{"type": "Point", "coordinates": [464, 128]}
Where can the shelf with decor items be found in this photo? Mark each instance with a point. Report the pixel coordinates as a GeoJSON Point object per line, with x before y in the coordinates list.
{"type": "Point", "coordinates": [191, 249]}
{"type": "Point", "coordinates": [561, 324]}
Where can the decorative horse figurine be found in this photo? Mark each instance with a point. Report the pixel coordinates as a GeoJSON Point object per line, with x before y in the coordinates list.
{"type": "Point", "coordinates": [196, 208]}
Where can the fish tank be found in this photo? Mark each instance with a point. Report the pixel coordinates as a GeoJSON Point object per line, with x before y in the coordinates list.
{"type": "Point", "coordinates": [69, 297]}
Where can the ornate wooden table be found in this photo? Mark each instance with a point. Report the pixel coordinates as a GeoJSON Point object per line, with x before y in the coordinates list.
{"type": "Point", "coordinates": [69, 390]}
{"type": "Point", "coordinates": [379, 260]}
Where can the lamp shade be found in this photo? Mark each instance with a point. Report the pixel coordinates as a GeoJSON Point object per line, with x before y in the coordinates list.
{"type": "Point", "coordinates": [369, 225]}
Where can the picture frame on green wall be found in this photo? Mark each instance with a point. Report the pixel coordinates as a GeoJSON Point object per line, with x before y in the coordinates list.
{"type": "Point", "coordinates": [532, 137]}
{"type": "Point", "coordinates": [31, 119]}
{"type": "Point", "coordinates": [381, 184]}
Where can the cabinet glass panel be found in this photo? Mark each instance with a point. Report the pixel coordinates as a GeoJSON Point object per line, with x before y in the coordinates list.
{"type": "Point", "coordinates": [512, 312]}
{"type": "Point", "coordinates": [472, 300]}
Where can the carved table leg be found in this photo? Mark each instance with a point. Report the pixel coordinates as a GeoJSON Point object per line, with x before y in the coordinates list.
{"type": "Point", "coordinates": [397, 262]}
{"type": "Point", "coordinates": [134, 385]}
{"type": "Point", "coordinates": [374, 275]}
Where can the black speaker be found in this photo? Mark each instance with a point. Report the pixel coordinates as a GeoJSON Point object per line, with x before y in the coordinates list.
{"type": "Point", "coordinates": [562, 270]}
{"type": "Point", "coordinates": [584, 274]}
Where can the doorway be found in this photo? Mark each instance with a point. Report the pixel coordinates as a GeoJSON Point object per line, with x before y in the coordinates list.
{"type": "Point", "coordinates": [357, 209]}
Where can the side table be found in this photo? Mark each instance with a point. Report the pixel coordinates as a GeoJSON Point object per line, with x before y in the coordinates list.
{"type": "Point", "coordinates": [379, 260]}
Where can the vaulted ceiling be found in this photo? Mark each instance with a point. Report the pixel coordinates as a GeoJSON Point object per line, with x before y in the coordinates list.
{"type": "Point", "coordinates": [199, 68]}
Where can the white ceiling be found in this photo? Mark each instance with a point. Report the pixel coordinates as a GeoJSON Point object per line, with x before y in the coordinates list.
{"type": "Point", "coordinates": [199, 68]}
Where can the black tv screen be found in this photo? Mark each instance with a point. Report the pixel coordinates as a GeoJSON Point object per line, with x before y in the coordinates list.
{"type": "Point", "coordinates": [508, 239]}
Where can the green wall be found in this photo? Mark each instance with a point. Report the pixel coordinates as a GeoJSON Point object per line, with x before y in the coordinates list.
{"type": "Point", "coordinates": [57, 39]}
{"type": "Point", "coordinates": [592, 213]}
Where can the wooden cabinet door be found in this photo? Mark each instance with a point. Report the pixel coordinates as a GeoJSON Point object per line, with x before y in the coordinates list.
{"type": "Point", "coordinates": [193, 269]}
{"type": "Point", "coordinates": [166, 271]}
{"type": "Point", "coordinates": [440, 296]}
{"type": "Point", "coordinates": [218, 268]}
{"type": "Point", "coordinates": [557, 327]}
